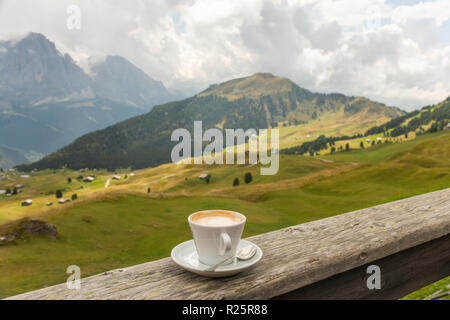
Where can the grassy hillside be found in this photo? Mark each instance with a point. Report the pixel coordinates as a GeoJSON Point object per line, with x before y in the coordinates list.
{"type": "Point", "coordinates": [435, 117]}
{"type": "Point", "coordinates": [123, 225]}
{"type": "Point", "coordinates": [258, 102]}
{"type": "Point", "coordinates": [404, 128]}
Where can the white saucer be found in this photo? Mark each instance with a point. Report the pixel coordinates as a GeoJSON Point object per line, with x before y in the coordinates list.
{"type": "Point", "coordinates": [185, 255]}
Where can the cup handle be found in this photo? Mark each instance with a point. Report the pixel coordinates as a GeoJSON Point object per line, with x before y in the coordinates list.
{"type": "Point", "coordinates": [225, 243]}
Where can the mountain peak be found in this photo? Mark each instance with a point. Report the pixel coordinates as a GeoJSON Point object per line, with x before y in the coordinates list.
{"type": "Point", "coordinates": [33, 71]}
{"type": "Point", "coordinates": [120, 80]}
{"type": "Point", "coordinates": [36, 39]}
{"type": "Point", "coordinates": [116, 59]}
{"type": "Point", "coordinates": [254, 86]}
{"type": "Point", "coordinates": [36, 36]}
{"type": "Point", "coordinates": [31, 40]}
{"type": "Point", "coordinates": [263, 75]}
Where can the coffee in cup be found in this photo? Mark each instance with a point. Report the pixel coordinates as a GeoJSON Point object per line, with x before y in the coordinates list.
{"type": "Point", "coordinates": [216, 218]}
{"type": "Point", "coordinates": [216, 234]}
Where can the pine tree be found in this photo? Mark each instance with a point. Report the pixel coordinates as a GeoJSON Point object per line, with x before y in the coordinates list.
{"type": "Point", "coordinates": [248, 178]}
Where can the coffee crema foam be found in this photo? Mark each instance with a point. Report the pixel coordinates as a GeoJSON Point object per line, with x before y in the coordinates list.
{"type": "Point", "coordinates": [216, 218]}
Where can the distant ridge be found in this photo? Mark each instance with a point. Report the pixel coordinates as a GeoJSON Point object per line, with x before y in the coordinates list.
{"type": "Point", "coordinates": [9, 158]}
{"type": "Point", "coordinates": [258, 101]}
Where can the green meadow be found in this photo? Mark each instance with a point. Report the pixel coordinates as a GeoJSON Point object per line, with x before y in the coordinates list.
{"type": "Point", "coordinates": [123, 224]}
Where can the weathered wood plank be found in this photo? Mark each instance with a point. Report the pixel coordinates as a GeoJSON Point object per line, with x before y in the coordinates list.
{"type": "Point", "coordinates": [401, 273]}
{"type": "Point", "coordinates": [294, 257]}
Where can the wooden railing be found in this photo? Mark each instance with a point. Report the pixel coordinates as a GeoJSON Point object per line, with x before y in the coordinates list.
{"type": "Point", "coordinates": [408, 239]}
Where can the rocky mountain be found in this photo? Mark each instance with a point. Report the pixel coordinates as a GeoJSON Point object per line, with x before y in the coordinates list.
{"type": "Point", "coordinates": [119, 80]}
{"type": "Point", "coordinates": [33, 72]}
{"type": "Point", "coordinates": [258, 101]}
{"type": "Point", "coordinates": [47, 100]}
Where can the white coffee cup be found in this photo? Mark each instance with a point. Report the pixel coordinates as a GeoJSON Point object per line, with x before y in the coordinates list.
{"type": "Point", "coordinates": [216, 234]}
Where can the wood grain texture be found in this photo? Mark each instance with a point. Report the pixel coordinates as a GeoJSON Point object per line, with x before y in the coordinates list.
{"type": "Point", "coordinates": [294, 257]}
{"type": "Point", "coordinates": [401, 273]}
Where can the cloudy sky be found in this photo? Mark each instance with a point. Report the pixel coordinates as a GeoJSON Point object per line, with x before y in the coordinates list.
{"type": "Point", "coordinates": [393, 51]}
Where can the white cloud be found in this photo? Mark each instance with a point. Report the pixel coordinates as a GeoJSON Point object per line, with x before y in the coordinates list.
{"type": "Point", "coordinates": [360, 47]}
